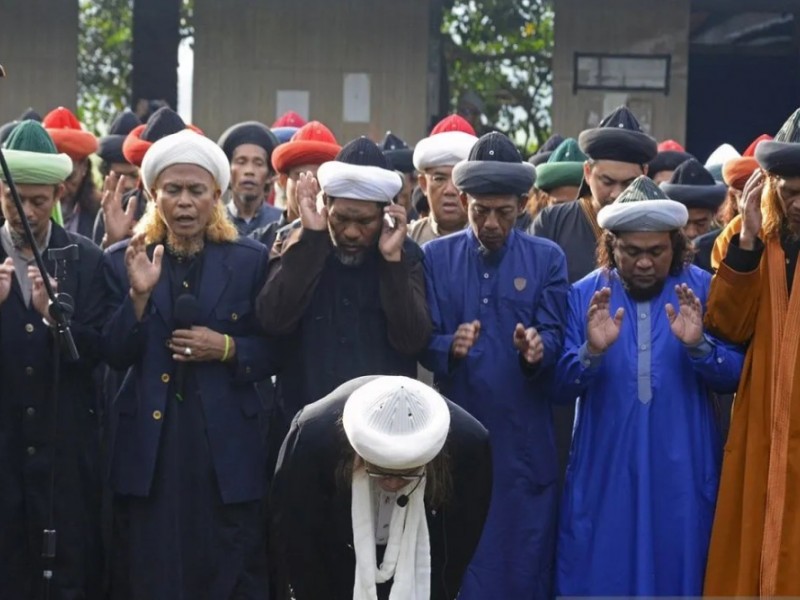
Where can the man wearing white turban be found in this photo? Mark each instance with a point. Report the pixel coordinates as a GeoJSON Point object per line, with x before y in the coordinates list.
{"type": "Point", "coordinates": [645, 460]}
{"type": "Point", "coordinates": [188, 464]}
{"type": "Point", "coordinates": [390, 508]}
{"type": "Point", "coordinates": [348, 289]}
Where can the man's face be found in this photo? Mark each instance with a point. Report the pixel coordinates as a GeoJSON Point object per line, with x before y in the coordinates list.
{"type": "Point", "coordinates": [37, 203]}
{"type": "Point", "coordinates": [186, 196]}
{"type": "Point", "coordinates": [448, 211]}
{"type": "Point", "coordinates": [355, 226]}
{"type": "Point", "coordinates": [700, 221]}
{"type": "Point", "coordinates": [493, 217]}
{"type": "Point", "coordinates": [608, 178]}
{"type": "Point", "coordinates": [788, 190]}
{"type": "Point", "coordinates": [662, 177]}
{"type": "Point", "coordinates": [643, 260]}
{"type": "Point", "coordinates": [249, 172]}
{"type": "Point", "coordinates": [73, 182]}
{"type": "Point", "coordinates": [131, 173]}
{"type": "Point", "coordinates": [564, 193]}
{"type": "Point", "coordinates": [291, 185]}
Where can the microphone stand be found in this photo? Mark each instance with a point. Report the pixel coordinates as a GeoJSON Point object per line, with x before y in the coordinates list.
{"type": "Point", "coordinates": [60, 309]}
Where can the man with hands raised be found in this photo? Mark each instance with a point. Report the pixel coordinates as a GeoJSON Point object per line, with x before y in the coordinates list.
{"type": "Point", "coordinates": [644, 465]}
{"type": "Point", "coordinates": [498, 305]}
{"type": "Point", "coordinates": [188, 464]}
{"type": "Point", "coordinates": [348, 289]}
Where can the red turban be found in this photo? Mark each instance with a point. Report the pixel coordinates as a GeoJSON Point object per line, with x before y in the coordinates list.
{"type": "Point", "coordinates": [453, 123]}
{"type": "Point", "coordinates": [289, 119]}
{"type": "Point", "coordinates": [737, 171]}
{"type": "Point", "coordinates": [68, 135]}
{"type": "Point", "coordinates": [312, 144]}
{"type": "Point", "coordinates": [670, 146]}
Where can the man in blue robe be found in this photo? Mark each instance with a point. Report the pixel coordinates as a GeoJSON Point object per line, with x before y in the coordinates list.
{"type": "Point", "coordinates": [642, 479]}
{"type": "Point", "coordinates": [498, 306]}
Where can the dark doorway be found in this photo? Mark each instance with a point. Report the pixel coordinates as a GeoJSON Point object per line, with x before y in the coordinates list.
{"type": "Point", "coordinates": [744, 85]}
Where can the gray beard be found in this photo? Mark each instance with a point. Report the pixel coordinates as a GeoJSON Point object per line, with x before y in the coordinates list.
{"type": "Point", "coordinates": [351, 260]}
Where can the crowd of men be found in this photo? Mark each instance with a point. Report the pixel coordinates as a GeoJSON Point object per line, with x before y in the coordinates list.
{"type": "Point", "coordinates": [319, 371]}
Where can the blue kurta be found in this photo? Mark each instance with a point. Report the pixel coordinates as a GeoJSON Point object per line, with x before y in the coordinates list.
{"type": "Point", "coordinates": [525, 282]}
{"type": "Point", "coordinates": [644, 466]}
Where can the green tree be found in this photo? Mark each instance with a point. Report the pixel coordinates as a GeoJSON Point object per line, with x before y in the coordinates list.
{"type": "Point", "coordinates": [105, 49]}
{"type": "Point", "coordinates": [104, 61]}
{"type": "Point", "coordinates": [502, 50]}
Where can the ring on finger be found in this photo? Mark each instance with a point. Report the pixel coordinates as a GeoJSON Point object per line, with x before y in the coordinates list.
{"type": "Point", "coordinates": [187, 351]}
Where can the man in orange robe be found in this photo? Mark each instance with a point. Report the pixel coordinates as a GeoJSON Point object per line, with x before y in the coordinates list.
{"type": "Point", "coordinates": [755, 542]}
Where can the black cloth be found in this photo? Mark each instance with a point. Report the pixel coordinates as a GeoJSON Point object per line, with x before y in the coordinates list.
{"type": "Point", "coordinates": [163, 544]}
{"type": "Point", "coordinates": [348, 321]}
{"type": "Point", "coordinates": [703, 246]}
{"type": "Point", "coordinates": [27, 447]}
{"type": "Point", "coordinates": [311, 503]}
{"type": "Point", "coordinates": [779, 158]}
{"type": "Point", "coordinates": [568, 226]}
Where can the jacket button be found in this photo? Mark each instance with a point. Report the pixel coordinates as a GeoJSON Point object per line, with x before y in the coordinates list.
{"type": "Point", "coordinates": [29, 327]}
{"type": "Point", "coordinates": [234, 317]}
{"type": "Point", "coordinates": [30, 411]}
{"type": "Point", "coordinates": [28, 371]}
{"type": "Point", "coordinates": [247, 370]}
{"type": "Point", "coordinates": [157, 415]}
{"type": "Point", "coordinates": [165, 378]}
{"type": "Point", "coordinates": [31, 450]}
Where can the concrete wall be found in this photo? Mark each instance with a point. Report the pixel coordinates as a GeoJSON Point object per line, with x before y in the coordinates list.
{"type": "Point", "coordinates": [621, 27]}
{"type": "Point", "coordinates": [39, 49]}
{"type": "Point", "coordinates": [248, 50]}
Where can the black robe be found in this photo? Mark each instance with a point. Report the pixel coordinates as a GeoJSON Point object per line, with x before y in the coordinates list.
{"type": "Point", "coordinates": [28, 450]}
{"type": "Point", "coordinates": [567, 225]}
{"type": "Point", "coordinates": [312, 526]}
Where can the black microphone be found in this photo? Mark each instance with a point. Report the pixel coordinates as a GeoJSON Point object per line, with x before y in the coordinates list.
{"type": "Point", "coordinates": [402, 500]}
{"type": "Point", "coordinates": [185, 313]}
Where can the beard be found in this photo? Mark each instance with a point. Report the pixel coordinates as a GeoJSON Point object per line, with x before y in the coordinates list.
{"type": "Point", "coordinates": [249, 198]}
{"type": "Point", "coordinates": [350, 259]}
{"type": "Point", "coordinates": [184, 247]}
{"type": "Point", "coordinates": [643, 294]}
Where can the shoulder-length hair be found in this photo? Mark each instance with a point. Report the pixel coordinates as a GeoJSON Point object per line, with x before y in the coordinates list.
{"type": "Point", "coordinates": [771, 209]}
{"type": "Point", "coordinates": [219, 228]}
{"type": "Point", "coordinates": [682, 251]}
{"type": "Point", "coordinates": [439, 480]}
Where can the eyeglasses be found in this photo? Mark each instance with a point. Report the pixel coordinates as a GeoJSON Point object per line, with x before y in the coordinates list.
{"type": "Point", "coordinates": [375, 474]}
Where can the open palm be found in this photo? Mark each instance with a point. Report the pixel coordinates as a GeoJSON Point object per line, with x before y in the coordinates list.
{"type": "Point", "coordinates": [602, 328]}
{"type": "Point", "coordinates": [687, 322]}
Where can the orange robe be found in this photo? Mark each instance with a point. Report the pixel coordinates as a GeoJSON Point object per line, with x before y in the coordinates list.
{"type": "Point", "coordinates": [755, 541]}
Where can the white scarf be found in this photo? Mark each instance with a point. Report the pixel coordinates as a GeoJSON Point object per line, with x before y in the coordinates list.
{"type": "Point", "coordinates": [408, 552]}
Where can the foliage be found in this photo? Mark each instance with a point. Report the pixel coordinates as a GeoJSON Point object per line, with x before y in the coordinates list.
{"type": "Point", "coordinates": [105, 46]}
{"type": "Point", "coordinates": [105, 42]}
{"type": "Point", "coordinates": [502, 50]}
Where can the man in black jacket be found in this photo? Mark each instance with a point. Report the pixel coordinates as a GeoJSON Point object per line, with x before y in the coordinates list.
{"type": "Point", "coordinates": [356, 474]}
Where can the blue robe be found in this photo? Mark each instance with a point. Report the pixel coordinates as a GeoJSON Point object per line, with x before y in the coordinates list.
{"type": "Point", "coordinates": [524, 282]}
{"type": "Point", "coordinates": [644, 466]}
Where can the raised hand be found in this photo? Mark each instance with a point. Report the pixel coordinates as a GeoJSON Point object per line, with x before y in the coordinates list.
{"type": "Point", "coordinates": [751, 210]}
{"type": "Point", "coordinates": [392, 238]}
{"type": "Point", "coordinates": [6, 278]}
{"type": "Point", "coordinates": [143, 273]}
{"type": "Point", "coordinates": [602, 329]}
{"type": "Point", "coordinates": [687, 322]}
{"type": "Point", "coordinates": [465, 337]}
{"type": "Point", "coordinates": [528, 343]}
{"type": "Point", "coordinates": [119, 223]}
{"type": "Point", "coordinates": [39, 298]}
{"type": "Point", "coordinates": [307, 190]}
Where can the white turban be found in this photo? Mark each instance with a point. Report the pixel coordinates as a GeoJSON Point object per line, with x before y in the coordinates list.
{"type": "Point", "coordinates": [643, 206]}
{"type": "Point", "coordinates": [358, 182]}
{"type": "Point", "coordinates": [443, 149]}
{"type": "Point", "coordinates": [185, 147]}
{"type": "Point", "coordinates": [396, 422]}
{"type": "Point", "coordinates": [721, 155]}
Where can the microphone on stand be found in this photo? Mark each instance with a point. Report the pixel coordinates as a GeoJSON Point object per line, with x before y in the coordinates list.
{"type": "Point", "coordinates": [185, 313]}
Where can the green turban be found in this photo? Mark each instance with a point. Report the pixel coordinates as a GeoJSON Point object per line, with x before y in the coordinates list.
{"type": "Point", "coordinates": [564, 167]}
{"type": "Point", "coordinates": [32, 158]}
